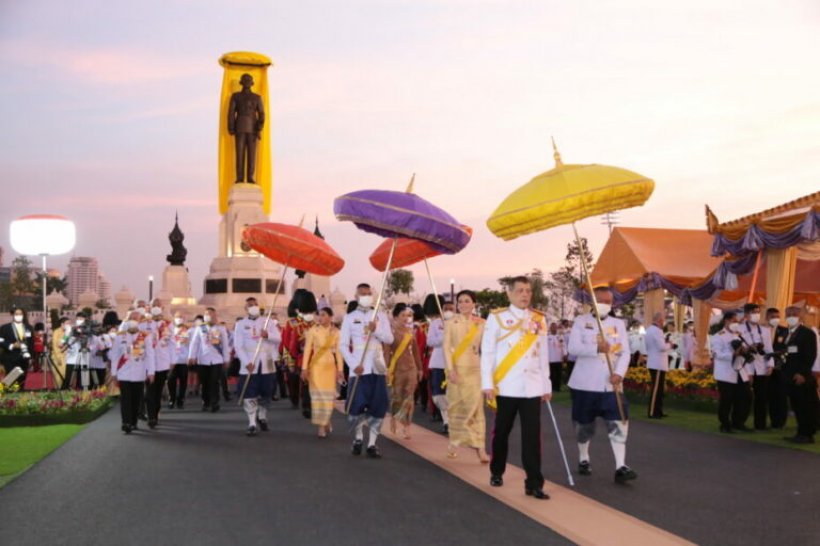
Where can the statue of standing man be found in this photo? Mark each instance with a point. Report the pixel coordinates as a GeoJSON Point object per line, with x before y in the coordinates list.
{"type": "Point", "coordinates": [246, 117]}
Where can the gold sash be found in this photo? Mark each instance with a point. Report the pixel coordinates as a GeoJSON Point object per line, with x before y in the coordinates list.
{"type": "Point", "coordinates": [323, 349]}
{"type": "Point", "coordinates": [405, 341]}
{"type": "Point", "coordinates": [465, 343]}
{"type": "Point", "coordinates": [512, 358]}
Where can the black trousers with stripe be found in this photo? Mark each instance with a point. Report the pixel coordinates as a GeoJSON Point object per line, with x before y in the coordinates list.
{"type": "Point", "coordinates": [529, 410]}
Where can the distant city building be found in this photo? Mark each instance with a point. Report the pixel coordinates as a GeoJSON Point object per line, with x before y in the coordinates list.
{"type": "Point", "coordinates": [104, 289]}
{"type": "Point", "coordinates": [83, 275]}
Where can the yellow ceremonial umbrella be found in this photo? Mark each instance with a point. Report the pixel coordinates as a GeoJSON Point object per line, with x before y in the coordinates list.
{"type": "Point", "coordinates": [564, 195]}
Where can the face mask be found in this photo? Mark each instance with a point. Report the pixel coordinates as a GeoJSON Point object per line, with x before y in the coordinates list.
{"type": "Point", "coordinates": [67, 329]}
{"type": "Point", "coordinates": [775, 322]}
{"type": "Point", "coordinates": [365, 301]}
{"type": "Point", "coordinates": [178, 321]}
{"type": "Point", "coordinates": [80, 322]}
{"type": "Point", "coordinates": [604, 309]}
{"type": "Point", "coordinates": [734, 327]}
{"type": "Point", "coordinates": [207, 319]}
{"type": "Point", "coordinates": [18, 318]}
{"type": "Point", "coordinates": [792, 321]}
{"type": "Point", "coordinates": [156, 311]}
{"type": "Point", "coordinates": [447, 315]}
{"type": "Point", "coordinates": [754, 318]}
{"type": "Point", "coordinates": [253, 310]}
{"type": "Point", "coordinates": [197, 323]}
{"type": "Point", "coordinates": [409, 321]}
{"type": "Point", "coordinates": [308, 317]}
{"type": "Point", "coordinates": [133, 325]}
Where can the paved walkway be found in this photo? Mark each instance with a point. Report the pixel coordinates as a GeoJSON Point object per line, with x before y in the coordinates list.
{"type": "Point", "coordinates": [198, 480]}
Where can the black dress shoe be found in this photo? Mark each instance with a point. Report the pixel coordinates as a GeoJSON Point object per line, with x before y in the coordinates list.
{"type": "Point", "coordinates": [726, 430]}
{"type": "Point", "coordinates": [171, 404]}
{"type": "Point", "coordinates": [180, 405]}
{"type": "Point", "coordinates": [445, 429]}
{"type": "Point", "coordinates": [124, 428]}
{"type": "Point", "coordinates": [625, 474]}
{"type": "Point", "coordinates": [536, 493]}
{"type": "Point", "coordinates": [215, 408]}
{"type": "Point", "coordinates": [127, 429]}
{"type": "Point", "coordinates": [496, 481]}
{"type": "Point", "coordinates": [251, 431]}
{"type": "Point", "coordinates": [263, 425]}
{"type": "Point", "coordinates": [152, 424]}
{"type": "Point", "coordinates": [206, 407]}
{"type": "Point", "coordinates": [743, 428]}
{"type": "Point", "coordinates": [357, 448]}
{"type": "Point", "coordinates": [584, 469]}
{"type": "Point", "coordinates": [373, 452]}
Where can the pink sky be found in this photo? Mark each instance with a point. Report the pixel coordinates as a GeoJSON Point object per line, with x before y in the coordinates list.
{"type": "Point", "coordinates": [111, 115]}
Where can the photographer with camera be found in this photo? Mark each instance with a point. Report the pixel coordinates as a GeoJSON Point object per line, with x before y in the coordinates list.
{"type": "Point", "coordinates": [81, 343]}
{"type": "Point", "coordinates": [759, 341]}
{"type": "Point", "coordinates": [731, 355]}
{"type": "Point", "coordinates": [17, 341]}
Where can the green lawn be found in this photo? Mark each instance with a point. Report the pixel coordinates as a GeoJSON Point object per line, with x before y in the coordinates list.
{"type": "Point", "coordinates": [702, 421]}
{"type": "Point", "coordinates": [21, 447]}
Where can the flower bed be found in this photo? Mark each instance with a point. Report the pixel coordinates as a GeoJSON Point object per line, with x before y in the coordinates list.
{"type": "Point", "coordinates": [693, 390]}
{"type": "Point", "coordinates": [51, 408]}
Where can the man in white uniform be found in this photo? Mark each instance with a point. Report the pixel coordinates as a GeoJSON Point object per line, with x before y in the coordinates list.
{"type": "Point", "coordinates": [249, 333]}
{"type": "Point", "coordinates": [593, 387]}
{"type": "Point", "coordinates": [210, 349]}
{"type": "Point", "coordinates": [367, 398]}
{"type": "Point", "coordinates": [515, 376]}
{"type": "Point", "coordinates": [657, 361]}
{"type": "Point", "coordinates": [132, 362]}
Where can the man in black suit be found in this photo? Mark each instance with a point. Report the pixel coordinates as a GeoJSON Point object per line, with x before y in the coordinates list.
{"type": "Point", "coordinates": [801, 352]}
{"type": "Point", "coordinates": [17, 344]}
{"type": "Point", "coordinates": [777, 396]}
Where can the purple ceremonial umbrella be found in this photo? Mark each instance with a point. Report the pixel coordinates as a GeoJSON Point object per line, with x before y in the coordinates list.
{"type": "Point", "coordinates": [402, 214]}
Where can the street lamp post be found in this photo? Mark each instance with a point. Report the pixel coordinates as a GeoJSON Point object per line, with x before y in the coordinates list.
{"type": "Point", "coordinates": [453, 291]}
{"type": "Point", "coordinates": [150, 289]}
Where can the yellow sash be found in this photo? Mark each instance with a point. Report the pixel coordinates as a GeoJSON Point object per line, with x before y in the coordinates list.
{"type": "Point", "coordinates": [405, 341]}
{"type": "Point", "coordinates": [465, 343]}
{"type": "Point", "coordinates": [323, 349]}
{"type": "Point", "coordinates": [512, 358]}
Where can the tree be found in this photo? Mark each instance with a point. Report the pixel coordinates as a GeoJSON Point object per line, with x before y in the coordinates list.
{"type": "Point", "coordinates": [488, 299]}
{"type": "Point", "coordinates": [564, 283]}
{"type": "Point", "coordinates": [540, 300]}
{"type": "Point", "coordinates": [22, 283]}
{"type": "Point", "coordinates": [400, 281]}
{"type": "Point", "coordinates": [102, 304]}
{"type": "Point", "coordinates": [53, 284]}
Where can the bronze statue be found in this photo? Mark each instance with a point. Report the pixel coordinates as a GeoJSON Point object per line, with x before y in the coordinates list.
{"type": "Point", "coordinates": [246, 117]}
{"type": "Point", "coordinates": [178, 250]}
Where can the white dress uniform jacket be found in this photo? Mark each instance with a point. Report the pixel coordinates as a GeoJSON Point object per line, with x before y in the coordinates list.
{"type": "Point", "coordinates": [132, 357]}
{"type": "Point", "coordinates": [657, 356]}
{"type": "Point", "coordinates": [753, 334]}
{"type": "Point", "coordinates": [435, 340]}
{"type": "Point", "coordinates": [182, 342]}
{"type": "Point", "coordinates": [210, 346]}
{"type": "Point", "coordinates": [164, 350]}
{"type": "Point", "coordinates": [530, 376]}
{"type": "Point", "coordinates": [353, 336]}
{"type": "Point", "coordinates": [591, 372]}
{"type": "Point", "coordinates": [726, 364]}
{"type": "Point", "coordinates": [246, 336]}
{"type": "Point", "coordinates": [97, 346]}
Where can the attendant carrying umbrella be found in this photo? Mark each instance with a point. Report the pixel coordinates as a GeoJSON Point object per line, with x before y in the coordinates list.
{"type": "Point", "coordinates": [395, 215]}
{"type": "Point", "coordinates": [292, 246]}
{"type": "Point", "coordinates": [408, 252]}
{"type": "Point", "coordinates": [564, 195]}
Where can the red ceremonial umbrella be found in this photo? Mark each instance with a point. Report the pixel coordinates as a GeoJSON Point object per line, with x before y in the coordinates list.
{"type": "Point", "coordinates": [291, 246]}
{"type": "Point", "coordinates": [407, 253]}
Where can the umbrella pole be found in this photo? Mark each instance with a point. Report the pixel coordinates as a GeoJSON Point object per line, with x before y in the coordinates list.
{"type": "Point", "coordinates": [585, 269]}
{"type": "Point", "coordinates": [264, 328]}
{"type": "Point", "coordinates": [754, 277]}
{"type": "Point", "coordinates": [433, 286]}
{"type": "Point", "coordinates": [352, 392]}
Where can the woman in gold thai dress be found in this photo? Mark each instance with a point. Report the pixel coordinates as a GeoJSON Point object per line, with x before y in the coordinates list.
{"type": "Point", "coordinates": [462, 340]}
{"type": "Point", "coordinates": [404, 369]}
{"type": "Point", "coordinates": [322, 368]}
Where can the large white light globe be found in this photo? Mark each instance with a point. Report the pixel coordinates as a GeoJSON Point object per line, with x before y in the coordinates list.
{"type": "Point", "coordinates": [39, 234]}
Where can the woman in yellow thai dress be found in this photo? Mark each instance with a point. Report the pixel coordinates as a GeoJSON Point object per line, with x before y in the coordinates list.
{"type": "Point", "coordinates": [322, 369]}
{"type": "Point", "coordinates": [404, 369]}
{"type": "Point", "coordinates": [462, 341]}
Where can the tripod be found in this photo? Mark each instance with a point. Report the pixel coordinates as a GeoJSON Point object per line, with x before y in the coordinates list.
{"type": "Point", "coordinates": [82, 368]}
{"type": "Point", "coordinates": [47, 367]}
